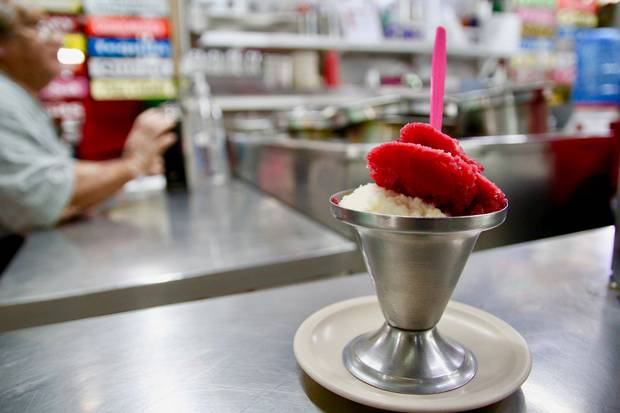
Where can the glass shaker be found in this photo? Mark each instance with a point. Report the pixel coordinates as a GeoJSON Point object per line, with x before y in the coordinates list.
{"type": "Point", "coordinates": [204, 136]}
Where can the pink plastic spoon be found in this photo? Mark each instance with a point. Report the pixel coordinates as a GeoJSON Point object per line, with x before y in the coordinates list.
{"type": "Point", "coordinates": [438, 77]}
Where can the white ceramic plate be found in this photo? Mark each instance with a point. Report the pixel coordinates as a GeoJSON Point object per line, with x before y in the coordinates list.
{"type": "Point", "coordinates": [504, 360]}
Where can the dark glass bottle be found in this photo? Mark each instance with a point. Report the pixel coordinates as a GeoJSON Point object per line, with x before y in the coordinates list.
{"type": "Point", "coordinates": [174, 160]}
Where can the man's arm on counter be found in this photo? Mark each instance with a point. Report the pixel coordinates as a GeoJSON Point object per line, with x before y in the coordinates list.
{"type": "Point", "coordinates": [97, 181]}
{"type": "Point", "coordinates": [94, 182]}
{"type": "Point", "coordinates": [39, 188]}
{"type": "Point", "coordinates": [35, 185]}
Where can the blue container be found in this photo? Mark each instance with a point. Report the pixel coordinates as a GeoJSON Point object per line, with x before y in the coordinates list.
{"type": "Point", "coordinates": [108, 47]}
{"type": "Point", "coordinates": [597, 79]}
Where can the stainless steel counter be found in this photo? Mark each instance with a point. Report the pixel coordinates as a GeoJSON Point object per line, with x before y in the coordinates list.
{"type": "Point", "coordinates": [156, 248]}
{"type": "Point", "coordinates": [235, 353]}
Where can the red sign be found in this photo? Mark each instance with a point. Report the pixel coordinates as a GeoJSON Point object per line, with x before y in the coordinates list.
{"type": "Point", "coordinates": [127, 27]}
{"type": "Point", "coordinates": [65, 110]}
{"type": "Point", "coordinates": [65, 88]}
{"type": "Point", "coordinates": [581, 5]}
{"type": "Point", "coordinates": [63, 23]}
{"type": "Point", "coordinates": [106, 127]}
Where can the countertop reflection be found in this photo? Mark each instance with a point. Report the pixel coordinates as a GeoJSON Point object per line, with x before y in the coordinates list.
{"type": "Point", "coordinates": [158, 248]}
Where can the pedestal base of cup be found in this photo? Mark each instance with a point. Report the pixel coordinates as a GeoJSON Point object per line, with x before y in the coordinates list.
{"type": "Point", "coordinates": [412, 362]}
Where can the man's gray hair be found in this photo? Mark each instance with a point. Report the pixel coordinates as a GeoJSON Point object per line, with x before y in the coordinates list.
{"type": "Point", "coordinates": [13, 13]}
{"type": "Point", "coordinates": [8, 17]}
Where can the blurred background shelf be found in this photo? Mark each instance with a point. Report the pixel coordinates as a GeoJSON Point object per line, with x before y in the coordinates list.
{"type": "Point", "coordinates": [234, 103]}
{"type": "Point", "coordinates": [286, 101]}
{"type": "Point", "coordinates": [291, 41]}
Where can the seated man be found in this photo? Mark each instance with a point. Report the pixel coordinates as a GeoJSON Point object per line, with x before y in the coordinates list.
{"type": "Point", "coordinates": [40, 184]}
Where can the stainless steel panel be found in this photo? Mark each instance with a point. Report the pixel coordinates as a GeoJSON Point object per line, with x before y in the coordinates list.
{"type": "Point", "coordinates": [555, 184]}
{"type": "Point", "coordinates": [160, 248]}
{"type": "Point", "coordinates": [235, 353]}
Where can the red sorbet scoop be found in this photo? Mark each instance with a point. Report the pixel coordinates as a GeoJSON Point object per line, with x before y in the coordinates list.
{"type": "Point", "coordinates": [425, 135]}
{"type": "Point", "coordinates": [427, 164]}
{"type": "Point", "coordinates": [489, 198]}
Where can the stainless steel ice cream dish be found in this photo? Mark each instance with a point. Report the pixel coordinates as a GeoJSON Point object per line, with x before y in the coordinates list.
{"type": "Point", "coordinates": [415, 264]}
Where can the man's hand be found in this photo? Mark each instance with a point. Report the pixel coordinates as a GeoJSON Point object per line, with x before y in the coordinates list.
{"type": "Point", "coordinates": [150, 136]}
{"type": "Point", "coordinates": [148, 139]}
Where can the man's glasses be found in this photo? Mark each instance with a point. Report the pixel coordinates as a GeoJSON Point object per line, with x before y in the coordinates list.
{"type": "Point", "coordinates": [42, 30]}
{"type": "Point", "coordinates": [46, 31]}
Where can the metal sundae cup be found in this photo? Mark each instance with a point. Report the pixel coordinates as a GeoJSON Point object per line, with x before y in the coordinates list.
{"type": "Point", "coordinates": [415, 264]}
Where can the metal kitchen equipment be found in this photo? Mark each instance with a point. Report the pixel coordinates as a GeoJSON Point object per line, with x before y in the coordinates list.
{"type": "Point", "coordinates": [500, 110]}
{"type": "Point", "coordinates": [503, 110]}
{"type": "Point", "coordinates": [374, 119]}
{"type": "Point", "coordinates": [614, 278]}
{"type": "Point", "coordinates": [415, 263]}
{"type": "Point", "coordinates": [571, 191]}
